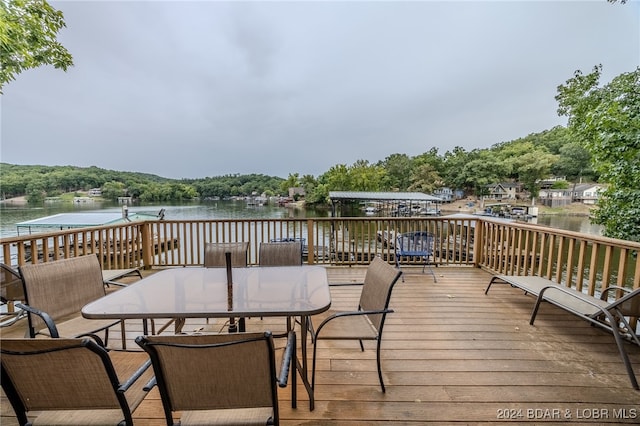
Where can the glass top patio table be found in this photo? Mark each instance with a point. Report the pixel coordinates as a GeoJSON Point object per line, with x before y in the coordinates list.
{"type": "Point", "coordinates": [284, 291]}
{"type": "Point", "coordinates": [202, 293]}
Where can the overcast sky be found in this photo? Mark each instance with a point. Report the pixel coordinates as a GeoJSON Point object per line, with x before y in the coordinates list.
{"type": "Point", "coordinates": [195, 89]}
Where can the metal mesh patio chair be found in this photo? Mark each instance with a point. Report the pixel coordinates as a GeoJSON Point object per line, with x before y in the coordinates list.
{"type": "Point", "coordinates": [417, 244]}
{"type": "Point", "coordinates": [72, 381]}
{"type": "Point", "coordinates": [215, 257]}
{"type": "Point", "coordinates": [282, 253]}
{"type": "Point", "coordinates": [214, 254]}
{"type": "Point", "coordinates": [367, 321]}
{"type": "Point", "coordinates": [11, 291]}
{"type": "Point", "coordinates": [285, 253]}
{"type": "Point", "coordinates": [218, 378]}
{"type": "Point", "coordinates": [55, 293]}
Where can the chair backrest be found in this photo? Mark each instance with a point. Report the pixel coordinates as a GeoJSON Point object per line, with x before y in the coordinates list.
{"type": "Point", "coordinates": [54, 375]}
{"type": "Point", "coordinates": [415, 242]}
{"type": "Point", "coordinates": [288, 253]}
{"type": "Point", "coordinates": [214, 254]}
{"type": "Point", "coordinates": [61, 287]}
{"type": "Point", "coordinates": [10, 284]}
{"type": "Point", "coordinates": [214, 372]}
{"type": "Point", "coordinates": [379, 281]}
{"type": "Point", "coordinates": [629, 304]}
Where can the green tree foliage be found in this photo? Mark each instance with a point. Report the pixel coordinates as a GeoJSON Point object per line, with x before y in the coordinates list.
{"type": "Point", "coordinates": [37, 182]}
{"type": "Point", "coordinates": [574, 163]}
{"type": "Point", "coordinates": [454, 163]}
{"type": "Point", "coordinates": [607, 120]}
{"type": "Point", "coordinates": [112, 190]}
{"type": "Point", "coordinates": [361, 176]}
{"type": "Point", "coordinates": [425, 178]}
{"type": "Point", "coordinates": [481, 169]}
{"type": "Point", "coordinates": [28, 38]}
{"type": "Point", "coordinates": [398, 168]}
{"type": "Point", "coordinates": [293, 181]}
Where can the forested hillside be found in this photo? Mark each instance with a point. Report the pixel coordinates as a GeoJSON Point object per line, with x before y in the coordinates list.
{"type": "Point", "coordinates": [38, 182]}
{"type": "Point", "coordinates": [526, 160]}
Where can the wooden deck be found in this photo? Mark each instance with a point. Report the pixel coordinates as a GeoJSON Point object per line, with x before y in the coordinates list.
{"type": "Point", "coordinates": [452, 355]}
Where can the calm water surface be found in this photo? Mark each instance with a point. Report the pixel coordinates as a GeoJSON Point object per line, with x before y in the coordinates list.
{"type": "Point", "coordinates": [10, 215]}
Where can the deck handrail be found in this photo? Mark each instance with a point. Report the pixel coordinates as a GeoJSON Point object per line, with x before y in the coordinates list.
{"type": "Point", "coordinates": [583, 261]}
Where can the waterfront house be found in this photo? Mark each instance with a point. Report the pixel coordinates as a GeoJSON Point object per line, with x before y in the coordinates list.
{"type": "Point", "coordinates": [504, 191]}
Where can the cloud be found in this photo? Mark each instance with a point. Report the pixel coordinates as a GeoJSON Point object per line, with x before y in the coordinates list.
{"type": "Point", "coordinates": [206, 88]}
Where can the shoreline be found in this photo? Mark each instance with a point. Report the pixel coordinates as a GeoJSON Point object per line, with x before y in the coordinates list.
{"type": "Point", "coordinates": [460, 206]}
{"type": "Point", "coordinates": [573, 209]}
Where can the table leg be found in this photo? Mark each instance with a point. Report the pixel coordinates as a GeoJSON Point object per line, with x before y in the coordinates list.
{"type": "Point", "coordinates": [303, 367]}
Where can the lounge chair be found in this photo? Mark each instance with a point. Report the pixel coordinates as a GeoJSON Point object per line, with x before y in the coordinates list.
{"type": "Point", "coordinates": [218, 378]}
{"type": "Point", "coordinates": [72, 381]}
{"type": "Point", "coordinates": [609, 315]}
{"type": "Point", "coordinates": [367, 321]}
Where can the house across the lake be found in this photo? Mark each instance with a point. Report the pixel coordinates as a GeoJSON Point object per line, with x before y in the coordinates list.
{"type": "Point", "coordinates": [586, 193]}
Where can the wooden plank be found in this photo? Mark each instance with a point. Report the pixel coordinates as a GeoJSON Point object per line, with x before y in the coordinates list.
{"type": "Point", "coordinates": [451, 355]}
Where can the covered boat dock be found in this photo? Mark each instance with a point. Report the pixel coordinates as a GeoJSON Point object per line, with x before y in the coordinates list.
{"type": "Point", "coordinates": [389, 204]}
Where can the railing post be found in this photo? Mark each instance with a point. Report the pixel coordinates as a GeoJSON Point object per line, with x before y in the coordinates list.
{"type": "Point", "coordinates": [478, 242]}
{"type": "Point", "coordinates": [311, 251]}
{"type": "Point", "coordinates": [147, 244]}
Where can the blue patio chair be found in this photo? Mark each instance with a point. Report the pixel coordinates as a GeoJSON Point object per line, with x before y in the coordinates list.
{"type": "Point", "coordinates": [418, 244]}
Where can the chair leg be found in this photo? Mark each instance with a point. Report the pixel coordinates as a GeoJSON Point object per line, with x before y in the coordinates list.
{"type": "Point", "coordinates": [380, 367]}
{"type": "Point", "coordinates": [123, 334]}
{"type": "Point", "coordinates": [313, 366]}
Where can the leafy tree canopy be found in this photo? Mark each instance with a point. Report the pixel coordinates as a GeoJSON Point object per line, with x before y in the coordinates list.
{"type": "Point", "coordinates": [606, 119]}
{"type": "Point", "coordinates": [28, 38]}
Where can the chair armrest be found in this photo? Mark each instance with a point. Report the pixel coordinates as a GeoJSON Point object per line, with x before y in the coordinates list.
{"type": "Point", "coordinates": [605, 293]}
{"type": "Point", "coordinates": [354, 313]}
{"type": "Point", "coordinates": [51, 325]}
{"type": "Point", "coordinates": [134, 377]}
{"type": "Point", "coordinates": [583, 298]}
{"type": "Point", "coordinates": [287, 359]}
{"type": "Point", "coordinates": [351, 314]}
{"type": "Point", "coordinates": [345, 284]}
{"type": "Point", "coordinates": [150, 384]}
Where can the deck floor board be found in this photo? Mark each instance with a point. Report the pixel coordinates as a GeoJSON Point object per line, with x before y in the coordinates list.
{"type": "Point", "coordinates": [450, 355]}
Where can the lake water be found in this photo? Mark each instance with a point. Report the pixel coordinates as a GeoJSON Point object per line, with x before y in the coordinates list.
{"type": "Point", "coordinates": [10, 215]}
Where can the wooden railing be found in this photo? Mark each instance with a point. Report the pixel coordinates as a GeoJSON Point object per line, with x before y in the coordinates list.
{"type": "Point", "coordinates": [583, 261]}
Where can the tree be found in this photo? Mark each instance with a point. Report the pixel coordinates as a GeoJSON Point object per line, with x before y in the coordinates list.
{"type": "Point", "coordinates": [574, 162]}
{"type": "Point", "coordinates": [607, 120]}
{"type": "Point", "coordinates": [113, 189]}
{"type": "Point", "coordinates": [293, 181]}
{"type": "Point", "coordinates": [533, 167]}
{"type": "Point", "coordinates": [366, 177]}
{"type": "Point", "coordinates": [454, 164]}
{"type": "Point", "coordinates": [398, 168]}
{"type": "Point", "coordinates": [425, 178]}
{"type": "Point", "coordinates": [28, 31]}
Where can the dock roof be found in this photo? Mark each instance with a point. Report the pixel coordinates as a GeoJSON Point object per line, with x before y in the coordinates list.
{"type": "Point", "coordinates": [335, 196]}
{"type": "Point", "coordinates": [82, 220]}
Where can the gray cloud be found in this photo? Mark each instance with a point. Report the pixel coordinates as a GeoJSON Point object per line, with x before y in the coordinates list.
{"type": "Point", "coordinates": [205, 88]}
